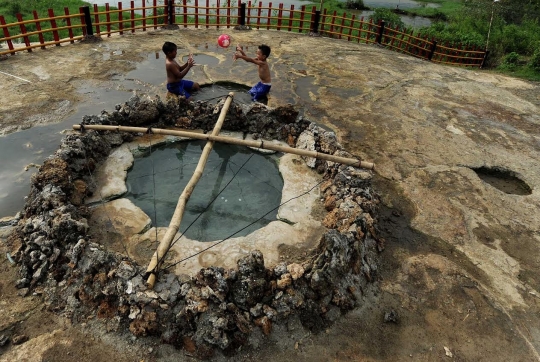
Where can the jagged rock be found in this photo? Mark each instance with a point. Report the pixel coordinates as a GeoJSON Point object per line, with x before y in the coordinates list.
{"type": "Point", "coordinates": [215, 308]}
{"type": "Point", "coordinates": [296, 270]}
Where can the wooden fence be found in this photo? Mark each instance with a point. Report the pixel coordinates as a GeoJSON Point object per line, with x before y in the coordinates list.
{"type": "Point", "coordinates": [104, 21]}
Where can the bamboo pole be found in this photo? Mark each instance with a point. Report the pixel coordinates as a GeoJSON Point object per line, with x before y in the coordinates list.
{"type": "Point", "coordinates": [174, 225]}
{"type": "Point", "coordinates": [255, 144]}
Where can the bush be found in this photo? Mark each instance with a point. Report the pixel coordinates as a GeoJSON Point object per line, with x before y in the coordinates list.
{"type": "Point", "coordinates": [534, 62]}
{"type": "Point", "coordinates": [510, 61]}
{"type": "Point", "coordinates": [389, 17]}
{"type": "Point", "coordinates": [354, 4]}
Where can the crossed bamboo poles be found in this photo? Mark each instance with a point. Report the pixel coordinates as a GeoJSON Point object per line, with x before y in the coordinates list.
{"type": "Point", "coordinates": [159, 255]}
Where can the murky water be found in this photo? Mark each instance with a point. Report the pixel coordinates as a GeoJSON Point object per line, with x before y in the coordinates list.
{"type": "Point", "coordinates": [503, 180]}
{"type": "Point", "coordinates": [33, 145]}
{"type": "Point", "coordinates": [219, 90]}
{"type": "Point", "coordinates": [156, 181]}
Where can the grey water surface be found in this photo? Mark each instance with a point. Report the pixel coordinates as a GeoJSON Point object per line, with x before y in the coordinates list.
{"type": "Point", "coordinates": [239, 192]}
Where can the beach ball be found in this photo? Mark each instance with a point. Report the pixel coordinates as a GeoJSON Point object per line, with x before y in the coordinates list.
{"type": "Point", "coordinates": [224, 40]}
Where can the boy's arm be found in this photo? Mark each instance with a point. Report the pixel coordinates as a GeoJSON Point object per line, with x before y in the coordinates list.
{"type": "Point", "coordinates": [240, 49]}
{"type": "Point", "coordinates": [190, 59]}
{"type": "Point", "coordinates": [248, 59]}
{"type": "Point", "coordinates": [178, 70]}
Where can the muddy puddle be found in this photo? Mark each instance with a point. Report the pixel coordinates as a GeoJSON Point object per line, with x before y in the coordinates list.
{"type": "Point", "coordinates": [503, 180]}
{"type": "Point", "coordinates": [24, 150]}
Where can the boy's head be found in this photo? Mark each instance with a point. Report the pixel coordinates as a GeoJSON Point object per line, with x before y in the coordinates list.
{"type": "Point", "coordinates": [264, 51]}
{"type": "Point", "coordinates": [168, 47]}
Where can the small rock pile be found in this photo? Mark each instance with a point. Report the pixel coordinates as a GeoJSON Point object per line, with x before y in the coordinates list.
{"type": "Point", "coordinates": [217, 309]}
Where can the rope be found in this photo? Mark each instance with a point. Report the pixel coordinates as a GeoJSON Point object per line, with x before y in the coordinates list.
{"type": "Point", "coordinates": [149, 131]}
{"type": "Point", "coordinates": [245, 227]}
{"type": "Point", "coordinates": [205, 209]}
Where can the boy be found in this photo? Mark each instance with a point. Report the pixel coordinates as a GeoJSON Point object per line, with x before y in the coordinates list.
{"type": "Point", "coordinates": [261, 89]}
{"type": "Point", "coordinates": [176, 72]}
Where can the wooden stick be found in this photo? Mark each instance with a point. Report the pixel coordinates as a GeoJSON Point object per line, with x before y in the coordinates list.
{"type": "Point", "coordinates": [174, 225]}
{"type": "Point", "coordinates": [255, 144]}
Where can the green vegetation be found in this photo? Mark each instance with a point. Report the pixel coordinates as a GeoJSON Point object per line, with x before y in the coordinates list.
{"type": "Point", "coordinates": [515, 29]}
{"type": "Point", "coordinates": [514, 35]}
{"type": "Point", "coordinates": [9, 9]}
{"type": "Point", "coordinates": [513, 25]}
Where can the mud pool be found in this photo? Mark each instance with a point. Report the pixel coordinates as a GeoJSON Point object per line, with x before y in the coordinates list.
{"type": "Point", "coordinates": [239, 192]}
{"type": "Point", "coordinates": [503, 180]}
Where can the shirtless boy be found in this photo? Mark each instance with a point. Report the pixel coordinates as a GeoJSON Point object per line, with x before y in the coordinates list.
{"type": "Point", "coordinates": [175, 72]}
{"type": "Point", "coordinates": [261, 89]}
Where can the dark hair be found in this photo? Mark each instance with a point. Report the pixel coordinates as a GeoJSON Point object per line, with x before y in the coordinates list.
{"type": "Point", "coordinates": [168, 47]}
{"type": "Point", "coordinates": [265, 49]}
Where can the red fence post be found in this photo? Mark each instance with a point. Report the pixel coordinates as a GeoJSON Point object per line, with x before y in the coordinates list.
{"type": "Point", "coordinates": [196, 14]}
{"type": "Point", "coordinates": [302, 13]}
{"type": "Point", "coordinates": [143, 5]}
{"type": "Point", "coordinates": [108, 17]}
{"type": "Point", "coordinates": [23, 31]}
{"type": "Point", "coordinates": [217, 15]}
{"type": "Point", "coordinates": [121, 19]}
{"type": "Point", "coordinates": [323, 19]}
{"type": "Point", "coordinates": [248, 14]}
{"type": "Point", "coordinates": [332, 24]}
{"type": "Point", "coordinates": [259, 12]}
{"type": "Point", "coordinates": [207, 13]}
{"type": "Point", "coordinates": [280, 15]}
{"type": "Point", "coordinates": [342, 24]}
{"type": "Point", "coordinates": [269, 15]}
{"type": "Point", "coordinates": [351, 24]}
{"type": "Point", "coordinates": [228, 13]}
{"type": "Point", "coordinates": [154, 13]}
{"type": "Point", "coordinates": [6, 34]}
{"type": "Point", "coordinates": [291, 17]}
{"type": "Point", "coordinates": [132, 16]}
{"type": "Point", "coordinates": [38, 28]}
{"type": "Point", "coordinates": [68, 23]}
{"type": "Point", "coordinates": [96, 18]}
{"type": "Point", "coordinates": [166, 12]}
{"type": "Point", "coordinates": [83, 21]}
{"type": "Point", "coordinates": [54, 27]}
{"type": "Point", "coordinates": [185, 13]}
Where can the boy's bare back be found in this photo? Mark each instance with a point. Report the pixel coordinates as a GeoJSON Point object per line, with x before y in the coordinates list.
{"type": "Point", "coordinates": [174, 71]}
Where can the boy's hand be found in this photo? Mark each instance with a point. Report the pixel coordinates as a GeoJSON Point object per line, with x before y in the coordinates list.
{"type": "Point", "coordinates": [239, 48]}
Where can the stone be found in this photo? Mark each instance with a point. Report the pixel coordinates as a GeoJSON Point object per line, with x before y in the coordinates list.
{"type": "Point", "coordinates": [127, 219]}
{"type": "Point", "coordinates": [110, 176]}
{"type": "Point", "coordinates": [296, 270]}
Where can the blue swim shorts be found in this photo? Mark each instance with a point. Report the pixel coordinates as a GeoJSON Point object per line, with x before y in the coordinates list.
{"type": "Point", "coordinates": [259, 91]}
{"type": "Point", "coordinates": [181, 88]}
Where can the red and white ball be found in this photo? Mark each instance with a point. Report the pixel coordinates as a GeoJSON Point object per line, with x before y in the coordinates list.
{"type": "Point", "coordinates": [224, 40]}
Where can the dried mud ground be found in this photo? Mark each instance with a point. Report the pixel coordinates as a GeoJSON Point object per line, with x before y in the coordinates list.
{"type": "Point", "coordinates": [462, 259]}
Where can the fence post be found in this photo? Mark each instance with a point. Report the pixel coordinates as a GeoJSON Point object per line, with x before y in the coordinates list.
{"type": "Point", "coordinates": [432, 51]}
{"type": "Point", "coordinates": [315, 23]}
{"type": "Point", "coordinates": [380, 33]}
{"type": "Point", "coordinates": [170, 12]}
{"type": "Point", "coordinates": [485, 59]}
{"type": "Point", "coordinates": [242, 14]}
{"type": "Point", "coordinates": [88, 21]}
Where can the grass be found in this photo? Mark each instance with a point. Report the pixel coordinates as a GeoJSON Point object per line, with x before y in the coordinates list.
{"type": "Point", "coordinates": [524, 72]}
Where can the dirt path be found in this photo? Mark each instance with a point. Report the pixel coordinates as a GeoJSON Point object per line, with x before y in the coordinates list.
{"type": "Point", "coordinates": [461, 264]}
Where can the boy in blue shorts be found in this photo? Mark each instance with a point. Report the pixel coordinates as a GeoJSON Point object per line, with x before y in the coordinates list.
{"type": "Point", "coordinates": [176, 83]}
{"type": "Point", "coordinates": [261, 89]}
